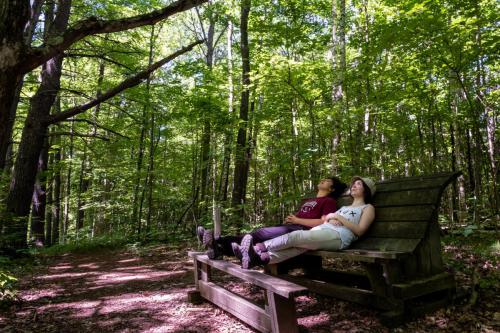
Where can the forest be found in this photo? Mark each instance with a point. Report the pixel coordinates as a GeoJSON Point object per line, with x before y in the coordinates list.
{"type": "Point", "coordinates": [125, 123]}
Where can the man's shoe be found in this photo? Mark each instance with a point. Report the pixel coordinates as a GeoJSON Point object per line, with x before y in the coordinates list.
{"type": "Point", "coordinates": [200, 231]}
{"type": "Point", "coordinates": [237, 250]}
{"type": "Point", "coordinates": [206, 237]}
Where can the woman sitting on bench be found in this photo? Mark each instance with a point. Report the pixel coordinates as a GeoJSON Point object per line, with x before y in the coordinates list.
{"type": "Point", "coordinates": [337, 232]}
{"type": "Point", "coordinates": [308, 216]}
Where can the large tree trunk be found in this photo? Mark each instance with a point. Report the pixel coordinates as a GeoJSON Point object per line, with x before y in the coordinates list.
{"type": "Point", "coordinates": [14, 16]}
{"type": "Point", "coordinates": [34, 133]}
{"type": "Point", "coordinates": [241, 159]}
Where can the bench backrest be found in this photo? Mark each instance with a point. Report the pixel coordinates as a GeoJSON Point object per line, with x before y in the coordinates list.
{"type": "Point", "coordinates": [405, 210]}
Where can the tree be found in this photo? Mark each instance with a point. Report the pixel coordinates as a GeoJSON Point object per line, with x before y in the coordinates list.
{"type": "Point", "coordinates": [241, 159]}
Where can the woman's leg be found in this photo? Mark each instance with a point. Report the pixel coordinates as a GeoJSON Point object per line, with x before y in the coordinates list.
{"type": "Point", "coordinates": [317, 237]}
{"type": "Point", "coordinates": [298, 242]}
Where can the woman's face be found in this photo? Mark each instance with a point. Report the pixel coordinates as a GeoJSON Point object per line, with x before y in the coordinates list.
{"type": "Point", "coordinates": [357, 189]}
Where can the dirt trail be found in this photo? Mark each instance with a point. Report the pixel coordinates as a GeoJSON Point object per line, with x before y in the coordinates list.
{"type": "Point", "coordinates": [126, 292]}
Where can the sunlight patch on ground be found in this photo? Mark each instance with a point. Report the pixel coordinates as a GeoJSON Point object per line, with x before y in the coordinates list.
{"type": "Point", "coordinates": [144, 302]}
{"type": "Point", "coordinates": [141, 269]}
{"type": "Point", "coordinates": [80, 309]}
{"type": "Point", "coordinates": [115, 278]}
{"type": "Point", "coordinates": [33, 295]}
{"type": "Point", "coordinates": [89, 265]}
{"type": "Point", "coordinates": [128, 260]}
{"type": "Point", "coordinates": [65, 275]}
{"type": "Point", "coordinates": [61, 267]}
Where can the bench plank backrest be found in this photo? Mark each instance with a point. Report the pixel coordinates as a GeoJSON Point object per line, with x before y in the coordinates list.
{"type": "Point", "coordinates": [405, 208]}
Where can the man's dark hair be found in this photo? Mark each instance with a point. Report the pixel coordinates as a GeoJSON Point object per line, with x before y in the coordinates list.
{"type": "Point", "coordinates": [338, 187]}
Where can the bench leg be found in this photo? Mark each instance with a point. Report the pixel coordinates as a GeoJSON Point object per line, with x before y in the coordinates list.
{"type": "Point", "coordinates": [282, 312]}
{"type": "Point", "coordinates": [194, 297]}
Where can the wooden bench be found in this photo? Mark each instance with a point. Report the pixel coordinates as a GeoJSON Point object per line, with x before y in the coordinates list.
{"type": "Point", "coordinates": [401, 268]}
{"type": "Point", "coordinates": [278, 314]}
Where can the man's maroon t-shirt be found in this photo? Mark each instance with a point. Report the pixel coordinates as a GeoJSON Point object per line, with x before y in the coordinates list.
{"type": "Point", "coordinates": [314, 208]}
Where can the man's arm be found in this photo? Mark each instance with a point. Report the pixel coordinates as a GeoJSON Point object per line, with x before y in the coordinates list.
{"type": "Point", "coordinates": [292, 219]}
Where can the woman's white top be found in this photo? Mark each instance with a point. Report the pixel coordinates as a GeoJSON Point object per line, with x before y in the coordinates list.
{"type": "Point", "coordinates": [353, 215]}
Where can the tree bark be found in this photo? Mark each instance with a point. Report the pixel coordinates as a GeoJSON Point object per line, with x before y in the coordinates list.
{"type": "Point", "coordinates": [241, 158]}
{"type": "Point", "coordinates": [339, 67]}
{"type": "Point", "coordinates": [69, 173]}
{"type": "Point", "coordinates": [150, 174]}
{"type": "Point", "coordinates": [39, 200]}
{"type": "Point", "coordinates": [228, 135]}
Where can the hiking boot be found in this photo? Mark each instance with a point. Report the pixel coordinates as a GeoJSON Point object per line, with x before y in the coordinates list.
{"type": "Point", "coordinates": [206, 237]}
{"type": "Point", "coordinates": [237, 250]}
{"type": "Point", "coordinates": [260, 248]}
{"type": "Point", "coordinates": [249, 258]}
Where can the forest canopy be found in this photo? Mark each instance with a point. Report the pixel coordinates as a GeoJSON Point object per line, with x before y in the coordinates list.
{"type": "Point", "coordinates": [143, 117]}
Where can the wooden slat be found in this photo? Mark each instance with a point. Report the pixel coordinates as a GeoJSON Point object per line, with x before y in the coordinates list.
{"type": "Point", "coordinates": [276, 285]}
{"type": "Point", "coordinates": [236, 305]}
{"type": "Point", "coordinates": [404, 213]}
{"type": "Point", "coordinates": [424, 286]}
{"type": "Point", "coordinates": [359, 255]}
{"type": "Point", "coordinates": [407, 198]}
{"type": "Point", "coordinates": [360, 296]}
{"type": "Point", "coordinates": [386, 244]}
{"type": "Point", "coordinates": [397, 229]}
{"type": "Point", "coordinates": [418, 182]}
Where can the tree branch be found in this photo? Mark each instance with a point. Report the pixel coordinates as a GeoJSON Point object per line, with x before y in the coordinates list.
{"type": "Point", "coordinates": [92, 26]}
{"type": "Point", "coordinates": [80, 135]}
{"type": "Point", "coordinates": [97, 125]}
{"type": "Point", "coordinates": [127, 83]}
{"type": "Point", "coordinates": [83, 55]}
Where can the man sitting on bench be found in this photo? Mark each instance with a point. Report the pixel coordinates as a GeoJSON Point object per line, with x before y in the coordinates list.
{"type": "Point", "coordinates": [337, 232]}
{"type": "Point", "coordinates": [308, 216]}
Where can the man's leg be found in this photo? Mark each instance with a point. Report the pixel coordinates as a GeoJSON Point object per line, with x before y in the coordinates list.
{"type": "Point", "coordinates": [262, 234]}
{"type": "Point", "coordinates": [224, 244]}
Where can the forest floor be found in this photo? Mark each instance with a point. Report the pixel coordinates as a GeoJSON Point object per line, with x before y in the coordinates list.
{"type": "Point", "coordinates": [144, 290]}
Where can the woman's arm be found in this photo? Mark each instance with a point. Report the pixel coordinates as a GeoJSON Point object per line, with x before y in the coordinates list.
{"type": "Point", "coordinates": [367, 217]}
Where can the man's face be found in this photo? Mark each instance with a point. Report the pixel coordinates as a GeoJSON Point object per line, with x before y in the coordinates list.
{"type": "Point", "coordinates": [325, 184]}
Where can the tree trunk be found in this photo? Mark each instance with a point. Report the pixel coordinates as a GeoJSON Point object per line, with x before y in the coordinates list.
{"type": "Point", "coordinates": [34, 133]}
{"type": "Point", "coordinates": [14, 16]}
{"type": "Point", "coordinates": [56, 196]}
{"type": "Point", "coordinates": [339, 67]}
{"type": "Point", "coordinates": [241, 160]}
{"type": "Point", "coordinates": [228, 136]}
{"type": "Point", "coordinates": [39, 200]}
{"type": "Point", "coordinates": [68, 186]}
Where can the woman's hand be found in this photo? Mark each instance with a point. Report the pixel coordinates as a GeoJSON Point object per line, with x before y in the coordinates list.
{"type": "Point", "coordinates": [341, 219]}
{"type": "Point", "coordinates": [335, 222]}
